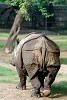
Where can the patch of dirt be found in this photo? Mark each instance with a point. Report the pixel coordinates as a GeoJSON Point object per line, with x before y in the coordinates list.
{"type": "Point", "coordinates": [9, 91]}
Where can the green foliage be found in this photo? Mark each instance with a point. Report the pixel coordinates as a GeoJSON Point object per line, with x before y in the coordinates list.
{"type": "Point", "coordinates": [55, 2]}
{"type": "Point", "coordinates": [2, 0]}
{"type": "Point", "coordinates": [25, 4]}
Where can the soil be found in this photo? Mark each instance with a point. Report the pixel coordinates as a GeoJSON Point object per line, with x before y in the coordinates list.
{"type": "Point", "coordinates": [9, 91]}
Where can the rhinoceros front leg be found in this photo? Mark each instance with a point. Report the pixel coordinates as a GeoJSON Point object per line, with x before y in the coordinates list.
{"type": "Point", "coordinates": [22, 76]}
{"type": "Point", "coordinates": [32, 71]}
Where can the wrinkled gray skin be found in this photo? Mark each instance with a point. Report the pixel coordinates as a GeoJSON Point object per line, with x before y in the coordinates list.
{"type": "Point", "coordinates": [37, 56]}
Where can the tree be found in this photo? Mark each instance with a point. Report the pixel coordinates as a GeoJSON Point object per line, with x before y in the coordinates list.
{"type": "Point", "coordinates": [13, 32]}
{"type": "Point", "coordinates": [24, 6]}
{"type": "Point", "coordinates": [16, 25]}
{"type": "Point", "coordinates": [23, 12]}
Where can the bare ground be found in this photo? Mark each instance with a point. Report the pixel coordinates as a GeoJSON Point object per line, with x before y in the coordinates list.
{"type": "Point", "coordinates": [9, 91]}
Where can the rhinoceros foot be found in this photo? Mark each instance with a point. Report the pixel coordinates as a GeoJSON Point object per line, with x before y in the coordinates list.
{"type": "Point", "coordinates": [19, 86]}
{"type": "Point", "coordinates": [45, 93]}
{"type": "Point", "coordinates": [36, 95]}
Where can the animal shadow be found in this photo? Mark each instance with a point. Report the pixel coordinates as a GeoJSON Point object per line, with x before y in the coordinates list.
{"type": "Point", "coordinates": [59, 89]}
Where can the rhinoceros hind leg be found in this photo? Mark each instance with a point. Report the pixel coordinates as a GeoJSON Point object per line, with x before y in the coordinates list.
{"type": "Point", "coordinates": [41, 78]}
{"type": "Point", "coordinates": [36, 85]}
{"type": "Point", "coordinates": [36, 94]}
{"type": "Point", "coordinates": [52, 72]}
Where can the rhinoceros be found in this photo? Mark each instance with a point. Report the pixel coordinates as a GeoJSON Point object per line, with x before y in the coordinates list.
{"type": "Point", "coordinates": [38, 57]}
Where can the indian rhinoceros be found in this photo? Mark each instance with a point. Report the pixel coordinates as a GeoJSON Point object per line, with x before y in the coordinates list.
{"type": "Point", "coordinates": [37, 56]}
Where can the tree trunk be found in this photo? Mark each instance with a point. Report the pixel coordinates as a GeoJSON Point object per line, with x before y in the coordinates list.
{"type": "Point", "coordinates": [13, 32]}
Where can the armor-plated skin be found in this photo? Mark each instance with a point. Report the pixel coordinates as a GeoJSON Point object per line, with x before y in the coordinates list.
{"type": "Point", "coordinates": [39, 57]}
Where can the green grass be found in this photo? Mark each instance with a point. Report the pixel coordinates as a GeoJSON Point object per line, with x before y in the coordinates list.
{"type": "Point", "coordinates": [7, 75]}
{"type": "Point", "coordinates": [61, 41]}
{"type": "Point", "coordinates": [59, 88]}
{"type": "Point", "coordinates": [61, 75]}
{"type": "Point", "coordinates": [2, 44]}
{"type": "Point", "coordinates": [7, 34]}
{"type": "Point", "coordinates": [10, 76]}
{"type": "Point", "coordinates": [62, 44]}
{"type": "Point", "coordinates": [4, 34]}
{"type": "Point", "coordinates": [59, 38]}
{"type": "Point", "coordinates": [6, 71]}
{"type": "Point", "coordinates": [63, 60]}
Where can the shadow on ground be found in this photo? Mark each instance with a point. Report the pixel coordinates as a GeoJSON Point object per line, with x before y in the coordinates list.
{"type": "Point", "coordinates": [59, 89]}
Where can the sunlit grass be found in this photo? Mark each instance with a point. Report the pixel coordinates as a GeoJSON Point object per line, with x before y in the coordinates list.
{"type": "Point", "coordinates": [2, 44]}
{"type": "Point", "coordinates": [2, 34]}
{"type": "Point", "coordinates": [61, 75]}
{"type": "Point", "coordinates": [5, 35]}
{"type": "Point", "coordinates": [10, 76]}
{"type": "Point", "coordinates": [6, 71]}
{"type": "Point", "coordinates": [62, 44]}
{"type": "Point", "coordinates": [59, 38]}
{"type": "Point", "coordinates": [7, 75]}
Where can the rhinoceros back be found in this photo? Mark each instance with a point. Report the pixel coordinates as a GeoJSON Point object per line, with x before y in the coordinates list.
{"type": "Point", "coordinates": [31, 51]}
